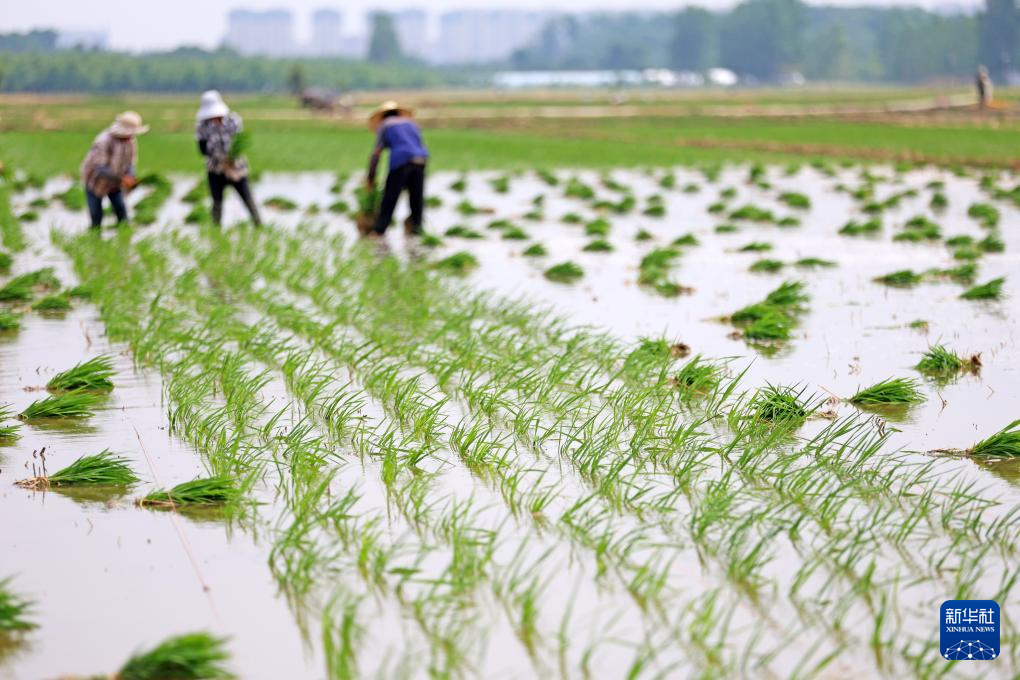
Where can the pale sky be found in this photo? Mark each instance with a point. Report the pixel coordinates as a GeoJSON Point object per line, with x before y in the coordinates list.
{"type": "Point", "coordinates": [159, 24]}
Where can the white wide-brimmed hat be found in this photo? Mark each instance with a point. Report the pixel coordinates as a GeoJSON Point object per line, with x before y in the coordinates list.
{"type": "Point", "coordinates": [211, 105]}
{"type": "Point", "coordinates": [128, 124]}
{"type": "Point", "coordinates": [383, 109]}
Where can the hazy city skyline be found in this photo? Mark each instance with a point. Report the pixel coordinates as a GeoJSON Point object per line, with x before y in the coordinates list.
{"type": "Point", "coordinates": [130, 25]}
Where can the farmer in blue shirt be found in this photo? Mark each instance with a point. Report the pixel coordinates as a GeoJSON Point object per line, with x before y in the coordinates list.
{"type": "Point", "coordinates": [398, 132]}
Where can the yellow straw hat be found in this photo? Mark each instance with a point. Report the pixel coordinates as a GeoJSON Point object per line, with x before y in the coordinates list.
{"type": "Point", "coordinates": [383, 109]}
{"type": "Point", "coordinates": [128, 124]}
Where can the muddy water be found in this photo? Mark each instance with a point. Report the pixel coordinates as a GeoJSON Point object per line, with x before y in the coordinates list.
{"type": "Point", "coordinates": [89, 563]}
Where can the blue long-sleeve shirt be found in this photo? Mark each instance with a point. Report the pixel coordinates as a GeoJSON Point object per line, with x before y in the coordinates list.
{"type": "Point", "coordinates": [399, 134]}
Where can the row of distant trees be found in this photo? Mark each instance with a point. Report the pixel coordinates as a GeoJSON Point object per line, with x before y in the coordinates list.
{"type": "Point", "coordinates": [767, 39]}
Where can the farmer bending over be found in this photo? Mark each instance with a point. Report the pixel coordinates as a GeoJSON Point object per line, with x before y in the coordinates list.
{"type": "Point", "coordinates": [216, 129]}
{"type": "Point", "coordinates": [109, 167]}
{"type": "Point", "coordinates": [398, 132]}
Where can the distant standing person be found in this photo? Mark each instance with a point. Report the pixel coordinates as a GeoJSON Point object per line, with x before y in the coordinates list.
{"type": "Point", "coordinates": [216, 128]}
{"type": "Point", "coordinates": [109, 167]}
{"type": "Point", "coordinates": [984, 87]}
{"type": "Point", "coordinates": [396, 130]}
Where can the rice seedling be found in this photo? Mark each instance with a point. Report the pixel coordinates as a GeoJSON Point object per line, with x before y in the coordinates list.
{"type": "Point", "coordinates": [650, 356]}
{"type": "Point", "coordinates": [901, 278]}
{"type": "Point", "coordinates": [788, 221]}
{"type": "Point", "coordinates": [795, 200]}
{"type": "Point", "coordinates": [755, 247]}
{"type": "Point", "coordinates": [23, 287]}
{"type": "Point", "coordinates": [459, 185]}
{"type": "Point", "coordinates": [6, 260]}
{"type": "Point", "coordinates": [564, 272]}
{"type": "Point", "coordinates": [599, 245]}
{"type": "Point", "coordinates": [76, 404]}
{"type": "Point", "coordinates": [547, 177]}
{"type": "Point", "coordinates": [964, 273]}
{"type": "Point", "coordinates": [938, 201]}
{"type": "Point", "coordinates": [985, 213]}
{"type": "Point", "coordinates": [8, 433]}
{"type": "Point", "coordinates": [39, 203]}
{"type": "Point", "coordinates": [459, 264]}
{"type": "Point", "coordinates": [654, 209]}
{"type": "Point", "coordinates": [992, 244]}
{"type": "Point", "coordinates": [202, 492]}
{"type": "Point", "coordinates": [771, 325]}
{"type": "Point", "coordinates": [160, 190]}
{"type": "Point", "coordinates": [431, 241]}
{"type": "Point", "coordinates": [774, 317]}
{"type": "Point", "coordinates": [575, 188]}
{"type": "Point", "coordinates": [686, 240]}
{"type": "Point", "coordinates": [101, 469]}
{"type": "Point", "coordinates": [940, 362]}
{"type": "Point", "coordinates": [643, 235]}
{"type": "Point", "coordinates": [28, 216]}
{"type": "Point", "coordinates": [727, 229]}
{"type": "Point", "coordinates": [339, 207]}
{"type": "Point", "coordinates": [466, 208]}
{"type": "Point", "coordinates": [535, 250]}
{"type": "Point", "coordinates": [598, 227]}
{"type": "Point", "coordinates": [698, 378]}
{"type": "Point", "coordinates": [691, 188]}
{"type": "Point", "coordinates": [716, 208]}
{"type": "Point", "coordinates": [197, 193]}
{"type": "Point", "coordinates": [15, 611]}
{"type": "Point", "coordinates": [960, 240]}
{"type": "Point", "coordinates": [572, 218]}
{"type": "Point", "coordinates": [919, 228]}
{"type": "Point", "coordinates": [992, 290]}
{"type": "Point", "coordinates": [777, 407]}
{"type": "Point", "coordinates": [52, 303]}
{"type": "Point", "coordinates": [501, 185]}
{"type": "Point", "coordinates": [789, 295]}
{"type": "Point", "coordinates": [514, 233]}
{"type": "Point", "coordinates": [193, 656]}
{"type": "Point", "coordinates": [461, 231]}
{"type": "Point", "coordinates": [654, 267]}
{"type": "Point", "coordinates": [890, 391]}
{"type": "Point", "coordinates": [855, 228]}
{"type": "Point", "coordinates": [199, 214]}
{"type": "Point", "coordinates": [767, 266]}
{"type": "Point", "coordinates": [9, 321]}
{"type": "Point", "coordinates": [73, 198]}
{"type": "Point", "coordinates": [1003, 444]}
{"type": "Point", "coordinates": [813, 262]}
{"type": "Point", "coordinates": [919, 324]}
{"type": "Point", "coordinates": [752, 213]}
{"type": "Point", "coordinates": [280, 203]}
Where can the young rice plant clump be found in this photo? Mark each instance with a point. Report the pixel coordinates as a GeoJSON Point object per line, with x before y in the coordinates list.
{"type": "Point", "coordinates": [890, 391]}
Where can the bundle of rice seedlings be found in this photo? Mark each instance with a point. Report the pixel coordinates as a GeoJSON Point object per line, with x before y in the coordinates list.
{"type": "Point", "coordinates": [789, 294]}
{"type": "Point", "coordinates": [83, 292]}
{"type": "Point", "coordinates": [968, 251]}
{"type": "Point", "coordinates": [534, 215]}
{"type": "Point", "coordinates": [938, 201]}
{"type": "Point", "coordinates": [598, 227]}
{"type": "Point", "coordinates": [8, 432]}
{"type": "Point", "coordinates": [919, 325]}
{"type": "Point", "coordinates": [73, 199]}
{"type": "Point", "coordinates": [9, 321]}
{"type": "Point", "coordinates": [14, 611]}
{"type": "Point", "coordinates": [194, 656]}
{"type": "Point", "coordinates": [461, 231]}
{"type": "Point", "coordinates": [101, 469]}
{"type": "Point", "coordinates": [854, 228]}
{"type": "Point", "coordinates": [767, 266]}
{"type": "Point", "coordinates": [774, 317]}
{"type": "Point", "coordinates": [535, 250]}
{"type": "Point", "coordinates": [890, 391]}
{"type": "Point", "coordinates": [788, 221]}
{"type": "Point", "coordinates": [575, 188]}
{"type": "Point", "coordinates": [459, 264]}
{"type": "Point", "coordinates": [755, 247]}
{"type": "Point", "coordinates": [992, 244]}
{"type": "Point", "coordinates": [812, 262]}
{"type": "Point", "coordinates": [6, 260]}
{"type": "Point", "coordinates": [599, 245]}
{"type": "Point", "coordinates": [1004, 443]}
{"type": "Point", "coordinates": [199, 214]}
{"type": "Point", "coordinates": [985, 213]}
{"type": "Point", "coordinates": [197, 193]}
{"type": "Point", "coordinates": [656, 264]}
{"type": "Point", "coordinates": [686, 240]}
{"type": "Point", "coordinates": [986, 291]}
{"type": "Point", "coordinates": [459, 185]}
{"type": "Point", "coordinates": [651, 353]}
{"type": "Point", "coordinates": [918, 229]}
{"type": "Point", "coordinates": [340, 207]}
{"type": "Point", "coordinates": [959, 240]}
{"type": "Point", "coordinates": [716, 208]}
{"type": "Point", "coordinates": [772, 325]}
{"type": "Point", "coordinates": [28, 216]}
{"type": "Point", "coordinates": [501, 185]}
{"type": "Point", "coordinates": [795, 200]}
{"type": "Point", "coordinates": [901, 278]}
{"type": "Point", "coordinates": [727, 229]}
{"type": "Point", "coordinates": [53, 303]}
{"type": "Point", "coordinates": [965, 273]}
{"type": "Point", "coordinates": [211, 491]}
{"type": "Point", "coordinates": [572, 218]}
{"type": "Point", "coordinates": [500, 224]}
{"type": "Point", "coordinates": [466, 208]}
{"type": "Point", "coordinates": [239, 145]}
{"type": "Point", "coordinates": [939, 361]}
{"type": "Point", "coordinates": [515, 234]}
{"type": "Point", "coordinates": [698, 378]}
{"type": "Point", "coordinates": [367, 200]}
{"type": "Point", "coordinates": [667, 181]}
{"type": "Point", "coordinates": [547, 177]}
{"type": "Point", "coordinates": [76, 404]}
{"type": "Point", "coordinates": [778, 406]}
{"type": "Point", "coordinates": [23, 287]}
{"type": "Point", "coordinates": [654, 209]}
{"type": "Point", "coordinates": [564, 272]}
{"type": "Point", "coordinates": [643, 235]}
{"type": "Point", "coordinates": [280, 203]}
{"type": "Point", "coordinates": [753, 214]}
{"type": "Point", "coordinates": [160, 189]}
{"type": "Point", "coordinates": [431, 241]}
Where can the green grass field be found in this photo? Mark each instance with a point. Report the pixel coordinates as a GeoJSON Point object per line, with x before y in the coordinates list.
{"type": "Point", "coordinates": [50, 135]}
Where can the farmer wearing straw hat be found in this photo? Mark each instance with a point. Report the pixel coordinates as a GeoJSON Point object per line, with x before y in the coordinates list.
{"type": "Point", "coordinates": [217, 129]}
{"type": "Point", "coordinates": [109, 167]}
{"type": "Point", "coordinates": [396, 130]}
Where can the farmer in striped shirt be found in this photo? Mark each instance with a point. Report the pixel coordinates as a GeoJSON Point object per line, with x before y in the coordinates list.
{"type": "Point", "coordinates": [108, 169]}
{"type": "Point", "coordinates": [397, 131]}
{"type": "Point", "coordinates": [216, 128]}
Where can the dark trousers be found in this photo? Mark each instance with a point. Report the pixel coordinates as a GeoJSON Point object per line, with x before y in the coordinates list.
{"type": "Point", "coordinates": [410, 176]}
{"type": "Point", "coordinates": [95, 204]}
{"type": "Point", "coordinates": [218, 182]}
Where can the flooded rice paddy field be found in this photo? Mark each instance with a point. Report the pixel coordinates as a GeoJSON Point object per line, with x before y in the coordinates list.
{"type": "Point", "coordinates": [451, 465]}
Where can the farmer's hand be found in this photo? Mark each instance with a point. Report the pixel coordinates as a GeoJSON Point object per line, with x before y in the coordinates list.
{"type": "Point", "coordinates": [128, 182]}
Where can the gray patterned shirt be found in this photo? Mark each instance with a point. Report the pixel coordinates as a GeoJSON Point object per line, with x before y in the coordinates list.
{"type": "Point", "coordinates": [217, 140]}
